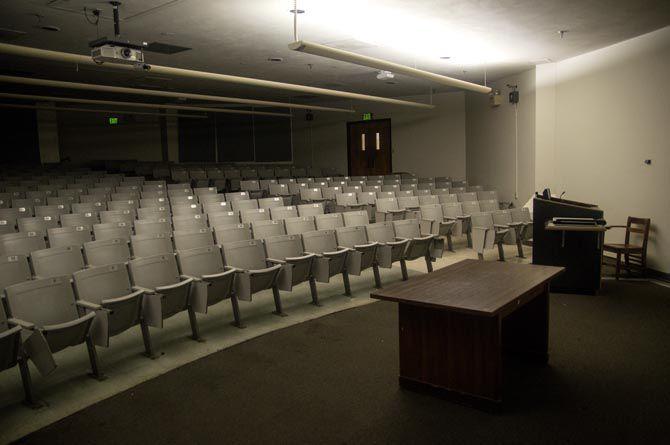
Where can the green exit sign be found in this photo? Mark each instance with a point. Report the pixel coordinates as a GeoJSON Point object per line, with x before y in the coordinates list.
{"type": "Point", "coordinates": [367, 116]}
{"type": "Point", "coordinates": [113, 121]}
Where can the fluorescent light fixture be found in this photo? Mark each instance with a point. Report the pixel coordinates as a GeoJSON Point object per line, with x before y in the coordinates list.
{"type": "Point", "coordinates": [359, 59]}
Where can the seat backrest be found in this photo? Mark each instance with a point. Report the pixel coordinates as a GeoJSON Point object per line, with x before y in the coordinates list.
{"type": "Point", "coordinates": [10, 215]}
{"type": "Point", "coordinates": [300, 224]}
{"type": "Point", "coordinates": [128, 204]}
{"type": "Point", "coordinates": [482, 219]}
{"type": "Point", "coordinates": [422, 192]}
{"type": "Point", "coordinates": [638, 228]}
{"type": "Point", "coordinates": [112, 230]}
{"type": "Point", "coordinates": [155, 202]}
{"type": "Point", "coordinates": [269, 203]}
{"type": "Point", "coordinates": [452, 209]}
{"type": "Point", "coordinates": [489, 205]}
{"type": "Point", "coordinates": [151, 244]}
{"type": "Point", "coordinates": [487, 194]}
{"type": "Point", "coordinates": [21, 243]}
{"type": "Point", "coordinates": [310, 209]}
{"type": "Point", "coordinates": [217, 207]}
{"type": "Point", "coordinates": [102, 282]}
{"type": "Point", "coordinates": [148, 226]}
{"type": "Point", "coordinates": [281, 247]}
{"type": "Point", "coordinates": [38, 224]}
{"type": "Point", "coordinates": [404, 193]}
{"type": "Point", "coordinates": [501, 217]}
{"type": "Point", "coordinates": [428, 199]}
{"type": "Point", "coordinates": [391, 188]}
{"type": "Point", "coordinates": [223, 219]}
{"type": "Point", "coordinates": [407, 228]}
{"type": "Point", "coordinates": [387, 204]}
{"type": "Point", "coordinates": [211, 197]}
{"type": "Point", "coordinates": [447, 197]}
{"type": "Point", "coordinates": [310, 193]}
{"type": "Point", "coordinates": [199, 261]}
{"type": "Point", "coordinates": [189, 222]}
{"type": "Point", "coordinates": [474, 188]}
{"type": "Point", "coordinates": [13, 269]}
{"type": "Point", "coordinates": [54, 210]}
{"type": "Point", "coordinates": [381, 232]}
{"type": "Point", "coordinates": [107, 251]}
{"type": "Point", "coordinates": [153, 213]}
{"type": "Point", "coordinates": [186, 209]}
{"type": "Point", "coordinates": [457, 189]}
{"type": "Point", "coordinates": [408, 202]}
{"type": "Point", "coordinates": [154, 271]}
{"type": "Point", "coordinates": [267, 228]}
{"type": "Point", "coordinates": [520, 214]}
{"type": "Point", "coordinates": [319, 241]}
{"type": "Point", "coordinates": [69, 236]}
{"type": "Point", "coordinates": [233, 232]}
{"type": "Point", "coordinates": [368, 197]}
{"type": "Point", "coordinates": [57, 261]}
{"type": "Point", "coordinates": [283, 212]}
{"type": "Point", "coordinates": [86, 219]}
{"type": "Point", "coordinates": [183, 200]}
{"type": "Point", "coordinates": [190, 239]}
{"type": "Point", "coordinates": [113, 216]}
{"type": "Point", "coordinates": [470, 207]}
{"type": "Point", "coordinates": [246, 254]}
{"type": "Point", "coordinates": [328, 221]}
{"type": "Point", "coordinates": [346, 199]}
{"type": "Point", "coordinates": [356, 218]}
{"type": "Point", "coordinates": [249, 215]}
{"type": "Point", "coordinates": [234, 196]}
{"type": "Point", "coordinates": [45, 301]}
{"type": "Point", "coordinates": [207, 191]}
{"type": "Point", "coordinates": [244, 204]}
{"type": "Point", "coordinates": [281, 189]}
{"type": "Point", "coordinates": [351, 236]}
{"type": "Point", "coordinates": [431, 212]}
{"type": "Point", "coordinates": [437, 190]}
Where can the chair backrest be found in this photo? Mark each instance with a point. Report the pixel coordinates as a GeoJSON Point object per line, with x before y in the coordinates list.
{"type": "Point", "coordinates": [448, 198]}
{"type": "Point", "coordinates": [407, 228]}
{"type": "Point", "coordinates": [308, 194]}
{"type": "Point", "coordinates": [319, 241]}
{"type": "Point", "coordinates": [281, 189]}
{"type": "Point", "coordinates": [107, 251]}
{"type": "Point", "coordinates": [38, 224]}
{"type": "Point", "coordinates": [217, 207]}
{"type": "Point", "coordinates": [300, 224]}
{"type": "Point", "coordinates": [21, 243]}
{"type": "Point", "coordinates": [283, 212]}
{"type": "Point", "coordinates": [57, 261]}
{"type": "Point", "coordinates": [10, 215]}
{"type": "Point", "coordinates": [346, 199]}
{"type": "Point", "coordinates": [233, 232]}
{"type": "Point", "coordinates": [176, 200]}
{"type": "Point", "coordinates": [381, 232]}
{"type": "Point", "coordinates": [501, 217]}
{"type": "Point", "coordinates": [151, 244]}
{"type": "Point", "coordinates": [356, 218]}
{"type": "Point", "coordinates": [223, 219]}
{"type": "Point", "coordinates": [211, 197]}
{"type": "Point", "coordinates": [328, 221]}
{"type": "Point", "coordinates": [13, 269]}
{"type": "Point", "coordinates": [310, 209]}
{"type": "Point", "coordinates": [234, 196]}
{"type": "Point", "coordinates": [86, 219]}
{"type": "Point", "coordinates": [267, 228]}
{"type": "Point", "coordinates": [387, 204]}
{"type": "Point", "coordinates": [129, 204]}
{"type": "Point", "coordinates": [69, 236]}
{"type": "Point", "coordinates": [408, 202]}
{"type": "Point", "coordinates": [247, 254]}
{"type": "Point", "coordinates": [428, 199]}
{"type": "Point", "coordinates": [452, 209]}
{"type": "Point", "coordinates": [250, 185]}
{"type": "Point", "coordinates": [404, 193]}
{"type": "Point", "coordinates": [99, 283]}
{"type": "Point", "coordinates": [482, 219]}
{"type": "Point", "coordinates": [520, 214]}
{"type": "Point", "coordinates": [432, 212]}
{"type": "Point", "coordinates": [54, 210]}
{"type": "Point", "coordinates": [207, 191]}
{"type": "Point", "coordinates": [487, 194]}
{"type": "Point", "coordinates": [269, 203]}
{"type": "Point", "coordinates": [367, 197]}
{"type": "Point", "coordinates": [153, 213]}
{"type": "Point", "coordinates": [154, 271]}
{"type": "Point", "coordinates": [190, 239]}
{"type": "Point", "coordinates": [112, 230]}
{"type": "Point", "coordinates": [331, 192]}
{"type": "Point", "coordinates": [46, 301]}
{"type": "Point", "coordinates": [351, 236]}
{"type": "Point", "coordinates": [113, 216]}
{"type": "Point", "coordinates": [489, 205]}
{"type": "Point", "coordinates": [244, 204]}
{"type": "Point", "coordinates": [281, 247]}
{"type": "Point", "coordinates": [249, 215]}
{"type": "Point", "coordinates": [638, 227]}
{"type": "Point", "coordinates": [155, 202]}
{"type": "Point", "coordinates": [149, 226]}
{"type": "Point", "coordinates": [186, 209]}
{"type": "Point", "coordinates": [189, 222]}
{"type": "Point", "coordinates": [470, 207]}
{"type": "Point", "coordinates": [199, 261]}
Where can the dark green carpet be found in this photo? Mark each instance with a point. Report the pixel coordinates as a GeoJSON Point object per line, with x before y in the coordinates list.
{"type": "Point", "coordinates": [334, 380]}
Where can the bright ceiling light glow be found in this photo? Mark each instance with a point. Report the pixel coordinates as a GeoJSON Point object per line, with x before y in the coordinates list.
{"type": "Point", "coordinates": [402, 30]}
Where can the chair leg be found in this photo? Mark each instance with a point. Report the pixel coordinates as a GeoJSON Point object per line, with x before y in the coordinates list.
{"type": "Point", "coordinates": [450, 244]}
{"type": "Point", "coordinates": [519, 247]}
{"type": "Point", "coordinates": [278, 309]}
{"type": "Point", "coordinates": [378, 279]}
{"type": "Point", "coordinates": [403, 269]}
{"type": "Point", "coordinates": [27, 385]}
{"type": "Point", "coordinates": [627, 263]}
{"type": "Point", "coordinates": [146, 337]}
{"type": "Point", "coordinates": [315, 294]}
{"type": "Point", "coordinates": [501, 252]}
{"type": "Point", "coordinates": [618, 266]}
{"type": "Point", "coordinates": [480, 256]}
{"type": "Point", "coordinates": [469, 237]}
{"type": "Point", "coordinates": [93, 358]}
{"type": "Point", "coordinates": [236, 312]}
{"type": "Point", "coordinates": [347, 286]}
{"type": "Point", "coordinates": [195, 333]}
{"type": "Point", "coordinates": [429, 263]}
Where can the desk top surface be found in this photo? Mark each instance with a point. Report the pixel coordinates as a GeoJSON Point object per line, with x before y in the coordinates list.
{"type": "Point", "coordinates": [470, 286]}
{"type": "Point", "coordinates": [575, 227]}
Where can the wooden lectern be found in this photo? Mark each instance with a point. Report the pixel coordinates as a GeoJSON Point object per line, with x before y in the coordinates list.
{"type": "Point", "coordinates": [578, 248]}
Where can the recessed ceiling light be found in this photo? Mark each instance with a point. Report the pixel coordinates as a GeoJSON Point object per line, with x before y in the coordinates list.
{"type": "Point", "coordinates": [50, 28]}
{"type": "Point", "coordinates": [298, 11]}
{"type": "Point", "coordinates": [445, 57]}
{"type": "Point", "coordinates": [275, 59]}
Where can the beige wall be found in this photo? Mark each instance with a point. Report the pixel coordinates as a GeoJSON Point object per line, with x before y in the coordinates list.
{"type": "Point", "coordinates": [47, 134]}
{"type": "Point", "coordinates": [599, 116]}
{"type": "Point", "coordinates": [425, 142]}
{"type": "Point", "coordinates": [491, 140]}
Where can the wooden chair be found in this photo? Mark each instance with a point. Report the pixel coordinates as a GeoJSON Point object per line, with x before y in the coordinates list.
{"type": "Point", "coordinates": [634, 254]}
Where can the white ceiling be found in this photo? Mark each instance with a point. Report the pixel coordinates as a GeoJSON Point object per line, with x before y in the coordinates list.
{"type": "Point", "coordinates": [238, 36]}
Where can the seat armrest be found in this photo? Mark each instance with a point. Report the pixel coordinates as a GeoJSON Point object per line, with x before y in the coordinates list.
{"type": "Point", "coordinates": [397, 238]}
{"type": "Point", "coordinates": [187, 277]}
{"type": "Point", "coordinates": [312, 253]}
{"type": "Point", "coordinates": [424, 238]}
{"type": "Point", "coordinates": [21, 323]}
{"type": "Point", "coordinates": [173, 286]}
{"type": "Point", "coordinates": [299, 258]}
{"type": "Point", "coordinates": [88, 305]}
{"type": "Point", "coordinates": [485, 229]}
{"type": "Point", "coordinates": [146, 290]}
{"type": "Point", "coordinates": [516, 224]}
{"type": "Point", "coordinates": [365, 246]}
{"type": "Point", "coordinates": [67, 324]}
{"type": "Point", "coordinates": [464, 216]}
{"type": "Point", "coordinates": [262, 271]}
{"type": "Point", "coordinates": [216, 276]}
{"type": "Point", "coordinates": [124, 298]}
{"type": "Point", "coordinates": [275, 261]}
{"type": "Point", "coordinates": [501, 226]}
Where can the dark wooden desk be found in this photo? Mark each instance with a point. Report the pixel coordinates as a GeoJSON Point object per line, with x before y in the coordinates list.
{"type": "Point", "coordinates": [455, 322]}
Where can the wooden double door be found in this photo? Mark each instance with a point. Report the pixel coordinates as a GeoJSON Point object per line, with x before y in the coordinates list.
{"type": "Point", "coordinates": [369, 147]}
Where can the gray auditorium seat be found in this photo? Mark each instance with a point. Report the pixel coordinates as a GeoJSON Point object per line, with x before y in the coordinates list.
{"type": "Point", "coordinates": [37, 224]}
{"type": "Point", "coordinates": [211, 198]}
{"type": "Point", "coordinates": [13, 269]}
{"type": "Point", "coordinates": [158, 276]}
{"type": "Point", "coordinates": [155, 202]}
{"type": "Point", "coordinates": [129, 204]}
{"type": "Point", "coordinates": [69, 236]}
{"type": "Point", "coordinates": [356, 218]}
{"type": "Point", "coordinates": [502, 219]}
{"type": "Point", "coordinates": [522, 215]}
{"type": "Point", "coordinates": [244, 204]}
{"type": "Point", "coordinates": [234, 196]}
{"type": "Point", "coordinates": [489, 205]}
{"type": "Point", "coordinates": [297, 266]}
{"type": "Point", "coordinates": [405, 193]}
{"type": "Point", "coordinates": [21, 243]}
{"type": "Point", "coordinates": [250, 215]}
{"type": "Point", "coordinates": [419, 246]}
{"type": "Point", "coordinates": [223, 219]}
{"type": "Point", "coordinates": [217, 207]}
{"type": "Point", "coordinates": [53, 211]}
{"type": "Point", "coordinates": [107, 251]}
{"type": "Point", "coordinates": [207, 191]}
{"type": "Point", "coordinates": [448, 198]}
{"type": "Point", "coordinates": [485, 234]}
{"type": "Point", "coordinates": [253, 187]}
{"type": "Point", "coordinates": [151, 226]}
{"type": "Point", "coordinates": [311, 209]}
{"type": "Point", "coordinates": [311, 195]}
{"type": "Point", "coordinates": [189, 222]}
{"type": "Point", "coordinates": [323, 243]}
{"type": "Point", "coordinates": [348, 201]}
{"type": "Point", "coordinates": [151, 245]}
{"type": "Point", "coordinates": [232, 232]}
{"type": "Point", "coordinates": [115, 216]}
{"type": "Point", "coordinates": [267, 228]}
{"type": "Point", "coordinates": [57, 261]}
{"type": "Point", "coordinates": [299, 225]}
{"type": "Point", "coordinates": [107, 292]}
{"type": "Point", "coordinates": [112, 231]}
{"type": "Point", "coordinates": [328, 221]}
{"type": "Point", "coordinates": [387, 209]}
{"type": "Point", "coordinates": [428, 199]}
{"type": "Point", "coordinates": [470, 207]}
{"type": "Point", "coordinates": [356, 238]}
{"type": "Point", "coordinates": [454, 210]}
{"type": "Point", "coordinates": [186, 209]}
{"type": "Point", "coordinates": [190, 239]}
{"type": "Point", "coordinates": [180, 200]}
{"type": "Point", "coordinates": [483, 195]}
{"type": "Point", "coordinates": [11, 353]}
{"type": "Point", "coordinates": [253, 272]}
{"type": "Point", "coordinates": [86, 219]}
{"type": "Point", "coordinates": [270, 203]}
{"type": "Point", "coordinates": [434, 223]}
{"type": "Point", "coordinates": [283, 212]}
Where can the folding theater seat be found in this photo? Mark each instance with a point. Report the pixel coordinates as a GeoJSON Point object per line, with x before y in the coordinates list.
{"type": "Point", "coordinates": [434, 223]}
{"type": "Point", "coordinates": [355, 239]}
{"type": "Point", "coordinates": [485, 234]}
{"type": "Point", "coordinates": [107, 251]}
{"type": "Point", "coordinates": [287, 250]}
{"type": "Point", "coordinates": [419, 246]}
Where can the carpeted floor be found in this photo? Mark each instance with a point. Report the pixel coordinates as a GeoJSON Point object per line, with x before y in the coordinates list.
{"type": "Point", "coordinates": [334, 380]}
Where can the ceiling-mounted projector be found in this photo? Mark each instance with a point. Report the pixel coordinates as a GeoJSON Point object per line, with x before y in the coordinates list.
{"type": "Point", "coordinates": [117, 52]}
{"type": "Point", "coordinates": [385, 75]}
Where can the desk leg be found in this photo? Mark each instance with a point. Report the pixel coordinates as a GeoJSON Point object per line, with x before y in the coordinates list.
{"type": "Point", "coordinates": [526, 331]}
{"type": "Point", "coordinates": [455, 355]}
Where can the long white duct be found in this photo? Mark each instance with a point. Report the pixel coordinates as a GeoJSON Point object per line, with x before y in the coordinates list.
{"type": "Point", "coordinates": [56, 56]}
{"type": "Point", "coordinates": [372, 62]}
{"type": "Point", "coordinates": [137, 104]}
{"type": "Point", "coordinates": [145, 92]}
{"type": "Point", "coordinates": [101, 110]}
